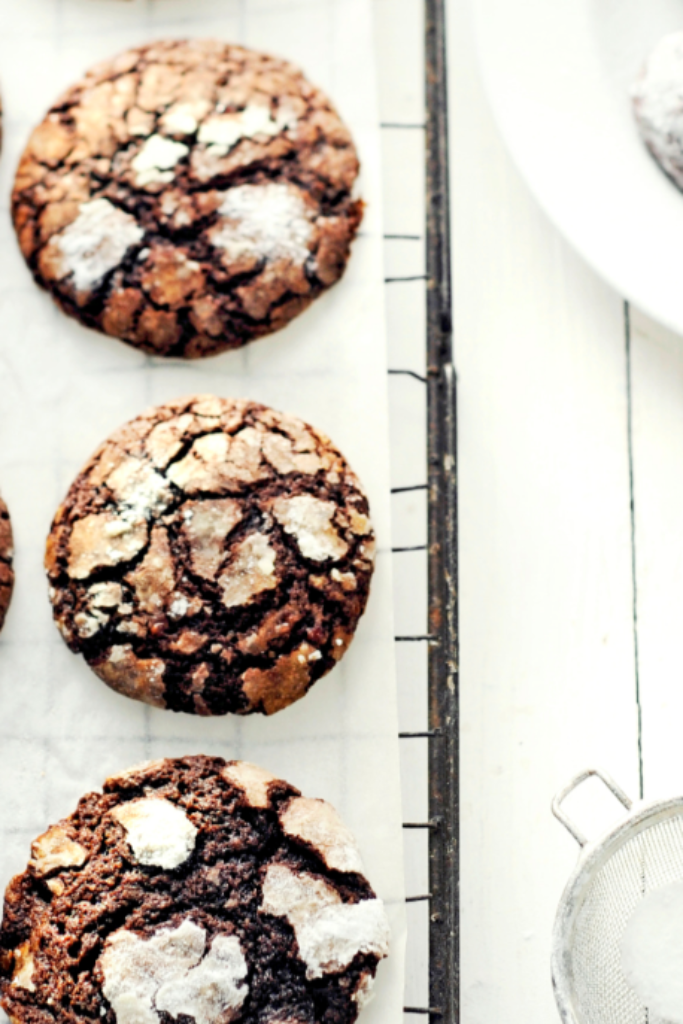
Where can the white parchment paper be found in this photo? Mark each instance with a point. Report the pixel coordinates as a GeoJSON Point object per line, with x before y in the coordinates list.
{"type": "Point", "coordinates": [63, 389]}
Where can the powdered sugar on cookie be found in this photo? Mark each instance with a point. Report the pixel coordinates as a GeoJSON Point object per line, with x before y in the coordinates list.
{"type": "Point", "coordinates": [223, 131]}
{"type": "Point", "coordinates": [159, 833]}
{"type": "Point", "coordinates": [271, 221]}
{"type": "Point", "coordinates": [96, 242]}
{"type": "Point", "coordinates": [309, 520]}
{"type": "Point", "coordinates": [318, 825]}
{"type": "Point", "coordinates": [250, 573]}
{"type": "Point", "coordinates": [157, 159]}
{"type": "Point", "coordinates": [166, 972]}
{"type": "Point", "coordinates": [329, 933]}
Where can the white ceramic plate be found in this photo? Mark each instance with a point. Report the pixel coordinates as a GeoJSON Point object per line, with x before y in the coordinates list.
{"type": "Point", "coordinates": [558, 74]}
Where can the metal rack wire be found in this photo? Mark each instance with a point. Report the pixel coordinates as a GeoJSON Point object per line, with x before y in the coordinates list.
{"type": "Point", "coordinates": [442, 637]}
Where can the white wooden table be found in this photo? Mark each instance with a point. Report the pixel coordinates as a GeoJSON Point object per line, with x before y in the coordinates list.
{"type": "Point", "coordinates": [571, 553]}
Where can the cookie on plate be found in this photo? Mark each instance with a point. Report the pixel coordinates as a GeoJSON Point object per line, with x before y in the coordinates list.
{"type": "Point", "coordinates": [657, 97]}
{"type": "Point", "coordinates": [213, 555]}
{"type": "Point", "coordinates": [188, 197]}
{"type": "Point", "coordinates": [192, 889]}
{"type": "Point", "coordinates": [6, 557]}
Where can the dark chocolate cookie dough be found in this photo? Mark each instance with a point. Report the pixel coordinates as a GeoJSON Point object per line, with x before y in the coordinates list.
{"type": "Point", "coordinates": [188, 197]}
{"type": "Point", "coordinates": [214, 555]}
{"type": "Point", "coordinates": [6, 556]}
{"type": "Point", "coordinates": [192, 890]}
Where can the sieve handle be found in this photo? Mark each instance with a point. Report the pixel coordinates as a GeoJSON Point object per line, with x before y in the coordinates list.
{"type": "Point", "coordinates": [560, 797]}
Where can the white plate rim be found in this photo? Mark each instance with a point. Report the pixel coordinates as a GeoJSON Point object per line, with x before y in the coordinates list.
{"type": "Point", "coordinates": [630, 234]}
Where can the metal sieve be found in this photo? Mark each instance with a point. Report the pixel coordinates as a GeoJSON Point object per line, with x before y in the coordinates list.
{"type": "Point", "coordinates": [642, 853]}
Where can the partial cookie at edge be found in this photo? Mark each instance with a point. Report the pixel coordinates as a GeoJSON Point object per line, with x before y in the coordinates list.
{"type": "Point", "coordinates": [216, 913]}
{"type": "Point", "coordinates": [6, 561]}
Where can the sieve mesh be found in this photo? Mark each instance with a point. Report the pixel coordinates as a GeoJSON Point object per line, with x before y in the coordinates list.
{"type": "Point", "coordinates": [648, 860]}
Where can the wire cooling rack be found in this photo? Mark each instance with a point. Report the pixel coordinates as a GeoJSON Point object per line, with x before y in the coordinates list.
{"type": "Point", "coordinates": [437, 379]}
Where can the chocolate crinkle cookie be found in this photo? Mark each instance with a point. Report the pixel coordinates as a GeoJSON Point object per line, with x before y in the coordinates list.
{"type": "Point", "coordinates": [192, 890]}
{"type": "Point", "coordinates": [188, 197]}
{"type": "Point", "coordinates": [6, 558]}
{"type": "Point", "coordinates": [657, 96]}
{"type": "Point", "coordinates": [214, 555]}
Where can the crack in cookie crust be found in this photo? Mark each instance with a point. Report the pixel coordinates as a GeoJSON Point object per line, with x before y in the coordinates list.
{"type": "Point", "coordinates": [188, 197]}
{"type": "Point", "coordinates": [6, 560]}
{"type": "Point", "coordinates": [248, 922]}
{"type": "Point", "coordinates": [213, 556]}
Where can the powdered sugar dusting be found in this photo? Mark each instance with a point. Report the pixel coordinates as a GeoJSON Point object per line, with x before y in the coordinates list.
{"type": "Point", "coordinates": [270, 220]}
{"type": "Point", "coordinates": [254, 781]}
{"type": "Point", "coordinates": [159, 832]}
{"type": "Point", "coordinates": [318, 824]}
{"type": "Point", "coordinates": [658, 104]}
{"type": "Point", "coordinates": [179, 607]}
{"type": "Point", "coordinates": [223, 131]}
{"type": "Point", "coordinates": [157, 159]}
{"type": "Point", "coordinates": [134, 969]}
{"type": "Point", "coordinates": [103, 539]}
{"type": "Point", "coordinates": [652, 952]}
{"type": "Point", "coordinates": [143, 977]}
{"type": "Point", "coordinates": [250, 573]}
{"type": "Point", "coordinates": [96, 242]}
{"type": "Point", "coordinates": [140, 489]}
{"type": "Point", "coordinates": [309, 520]}
{"type": "Point", "coordinates": [329, 933]}
{"type": "Point", "coordinates": [206, 525]}
{"type": "Point", "coordinates": [180, 119]}
{"type": "Point", "coordinates": [211, 991]}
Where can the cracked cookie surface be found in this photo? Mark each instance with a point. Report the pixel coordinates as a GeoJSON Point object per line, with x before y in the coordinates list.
{"type": "Point", "coordinates": [188, 197]}
{"type": "Point", "coordinates": [213, 556]}
{"type": "Point", "coordinates": [6, 559]}
{"type": "Point", "coordinates": [192, 889]}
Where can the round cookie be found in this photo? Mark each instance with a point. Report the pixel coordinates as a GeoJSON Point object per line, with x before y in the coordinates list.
{"type": "Point", "coordinates": [657, 96]}
{"type": "Point", "coordinates": [213, 556]}
{"type": "Point", "coordinates": [6, 557]}
{"type": "Point", "coordinates": [197, 890]}
{"type": "Point", "coordinates": [188, 197]}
